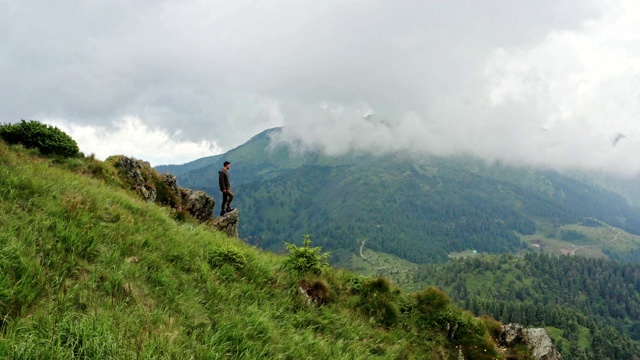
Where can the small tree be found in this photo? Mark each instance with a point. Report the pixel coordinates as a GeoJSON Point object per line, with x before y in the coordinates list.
{"type": "Point", "coordinates": [33, 134]}
{"type": "Point", "coordinates": [306, 260]}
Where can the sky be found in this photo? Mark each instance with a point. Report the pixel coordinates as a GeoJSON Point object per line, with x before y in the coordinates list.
{"type": "Point", "coordinates": [544, 82]}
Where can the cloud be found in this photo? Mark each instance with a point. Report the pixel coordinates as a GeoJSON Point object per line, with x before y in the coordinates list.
{"type": "Point", "coordinates": [131, 137]}
{"type": "Point", "coordinates": [556, 102]}
{"type": "Point", "coordinates": [541, 82]}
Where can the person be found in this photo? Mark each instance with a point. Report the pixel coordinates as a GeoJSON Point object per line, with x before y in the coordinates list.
{"type": "Point", "coordinates": [225, 187]}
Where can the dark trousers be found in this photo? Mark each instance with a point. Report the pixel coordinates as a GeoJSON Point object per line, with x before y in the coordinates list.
{"type": "Point", "coordinates": [227, 198]}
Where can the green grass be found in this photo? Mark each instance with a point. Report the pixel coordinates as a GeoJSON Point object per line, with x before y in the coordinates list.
{"type": "Point", "coordinates": [557, 336]}
{"type": "Point", "coordinates": [462, 254]}
{"type": "Point", "coordinates": [595, 239]}
{"type": "Point", "coordinates": [378, 264]}
{"type": "Point", "coordinates": [88, 270]}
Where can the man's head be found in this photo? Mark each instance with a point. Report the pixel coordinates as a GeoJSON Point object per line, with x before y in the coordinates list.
{"type": "Point", "coordinates": [226, 165]}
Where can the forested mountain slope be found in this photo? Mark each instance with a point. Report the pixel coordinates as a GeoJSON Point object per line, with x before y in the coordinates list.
{"type": "Point", "coordinates": [253, 161]}
{"type": "Point", "coordinates": [594, 303]}
{"type": "Point", "coordinates": [420, 209]}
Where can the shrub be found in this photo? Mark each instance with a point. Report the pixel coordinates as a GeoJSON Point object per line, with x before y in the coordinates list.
{"type": "Point", "coordinates": [492, 325]}
{"type": "Point", "coordinates": [226, 256]}
{"type": "Point", "coordinates": [317, 290]}
{"type": "Point", "coordinates": [432, 300]}
{"type": "Point", "coordinates": [306, 260]}
{"type": "Point", "coordinates": [378, 300]}
{"type": "Point", "coordinates": [49, 140]}
{"type": "Point", "coordinates": [433, 307]}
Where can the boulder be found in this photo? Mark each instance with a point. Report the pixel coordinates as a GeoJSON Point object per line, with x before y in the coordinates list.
{"type": "Point", "coordinates": [228, 223]}
{"type": "Point", "coordinates": [133, 169]}
{"type": "Point", "coordinates": [198, 204]}
{"type": "Point", "coordinates": [537, 340]}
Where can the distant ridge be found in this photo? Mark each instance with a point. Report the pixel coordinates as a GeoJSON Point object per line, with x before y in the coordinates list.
{"type": "Point", "coordinates": [420, 209]}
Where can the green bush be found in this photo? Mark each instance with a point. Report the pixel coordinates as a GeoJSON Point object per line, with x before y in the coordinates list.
{"type": "Point", "coordinates": [49, 140]}
{"type": "Point", "coordinates": [306, 260]}
{"type": "Point", "coordinates": [226, 256]}
{"type": "Point", "coordinates": [317, 290]}
{"type": "Point", "coordinates": [492, 325]}
{"type": "Point", "coordinates": [432, 300]}
{"type": "Point", "coordinates": [378, 300]}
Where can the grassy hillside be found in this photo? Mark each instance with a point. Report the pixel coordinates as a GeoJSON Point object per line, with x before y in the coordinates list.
{"type": "Point", "coordinates": [88, 270]}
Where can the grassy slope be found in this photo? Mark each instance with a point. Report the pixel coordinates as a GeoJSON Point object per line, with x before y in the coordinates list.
{"type": "Point", "coordinates": [87, 270]}
{"type": "Point", "coordinates": [591, 245]}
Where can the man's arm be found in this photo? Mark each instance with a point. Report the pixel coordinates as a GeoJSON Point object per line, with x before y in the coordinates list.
{"type": "Point", "coordinates": [221, 182]}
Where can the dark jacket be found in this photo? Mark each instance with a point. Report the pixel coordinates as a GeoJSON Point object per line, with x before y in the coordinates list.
{"type": "Point", "coordinates": [223, 180]}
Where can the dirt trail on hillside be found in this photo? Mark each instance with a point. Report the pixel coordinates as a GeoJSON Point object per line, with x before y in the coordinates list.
{"type": "Point", "coordinates": [362, 247]}
{"type": "Point", "coordinates": [615, 238]}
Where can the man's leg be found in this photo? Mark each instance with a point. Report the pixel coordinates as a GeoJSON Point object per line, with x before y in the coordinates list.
{"type": "Point", "coordinates": [225, 198]}
{"type": "Point", "coordinates": [229, 200]}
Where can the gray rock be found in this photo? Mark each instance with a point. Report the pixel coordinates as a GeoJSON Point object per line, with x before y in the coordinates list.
{"type": "Point", "coordinates": [198, 204]}
{"type": "Point", "coordinates": [141, 177]}
{"type": "Point", "coordinates": [227, 223]}
{"type": "Point", "coordinates": [132, 169]}
{"type": "Point", "coordinates": [537, 340]}
{"type": "Point", "coordinates": [172, 182]}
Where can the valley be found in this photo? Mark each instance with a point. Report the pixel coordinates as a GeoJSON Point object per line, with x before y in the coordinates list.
{"type": "Point", "coordinates": [425, 221]}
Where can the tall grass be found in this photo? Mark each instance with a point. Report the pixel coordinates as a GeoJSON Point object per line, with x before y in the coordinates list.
{"type": "Point", "coordinates": [89, 271]}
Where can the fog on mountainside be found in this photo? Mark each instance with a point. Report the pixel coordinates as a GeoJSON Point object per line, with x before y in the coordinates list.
{"type": "Point", "coordinates": [419, 208]}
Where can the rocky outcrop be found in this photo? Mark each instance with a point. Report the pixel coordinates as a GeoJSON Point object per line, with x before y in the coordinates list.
{"type": "Point", "coordinates": [198, 204]}
{"type": "Point", "coordinates": [134, 171]}
{"type": "Point", "coordinates": [228, 223]}
{"type": "Point", "coordinates": [537, 340]}
{"type": "Point", "coordinates": [163, 189]}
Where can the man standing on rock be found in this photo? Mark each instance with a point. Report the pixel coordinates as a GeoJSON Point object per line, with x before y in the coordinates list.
{"type": "Point", "coordinates": [225, 187]}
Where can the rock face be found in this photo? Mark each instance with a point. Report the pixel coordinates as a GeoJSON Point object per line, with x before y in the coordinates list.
{"type": "Point", "coordinates": [198, 204]}
{"type": "Point", "coordinates": [171, 181]}
{"type": "Point", "coordinates": [164, 189]}
{"type": "Point", "coordinates": [537, 341]}
{"type": "Point", "coordinates": [134, 168]}
{"type": "Point", "coordinates": [227, 223]}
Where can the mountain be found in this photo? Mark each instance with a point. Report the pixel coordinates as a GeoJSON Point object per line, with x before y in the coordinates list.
{"type": "Point", "coordinates": [253, 161]}
{"type": "Point", "coordinates": [91, 270]}
{"type": "Point", "coordinates": [421, 209]}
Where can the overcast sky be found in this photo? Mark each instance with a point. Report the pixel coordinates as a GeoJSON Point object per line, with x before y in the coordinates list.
{"type": "Point", "coordinates": [546, 82]}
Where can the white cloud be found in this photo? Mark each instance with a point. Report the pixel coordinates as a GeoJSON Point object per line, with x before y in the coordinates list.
{"type": "Point", "coordinates": [133, 138]}
{"type": "Point", "coordinates": [540, 81]}
{"type": "Point", "coordinates": [559, 101]}
{"type": "Point", "coordinates": [583, 87]}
